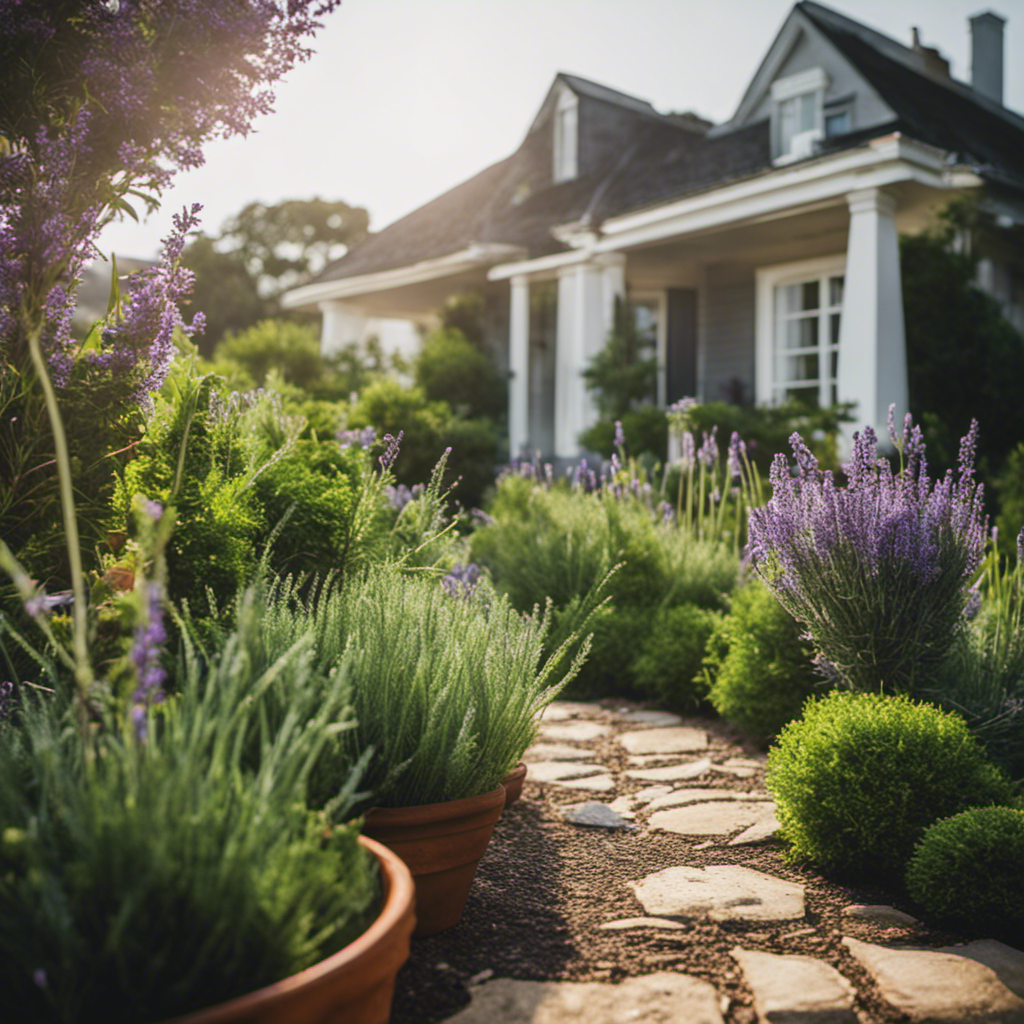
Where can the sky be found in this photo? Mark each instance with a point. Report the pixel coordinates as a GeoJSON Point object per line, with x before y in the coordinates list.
{"type": "Point", "coordinates": [405, 99]}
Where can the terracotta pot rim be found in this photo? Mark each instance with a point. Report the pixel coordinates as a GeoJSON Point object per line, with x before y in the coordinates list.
{"type": "Point", "coordinates": [399, 894]}
{"type": "Point", "coordinates": [442, 811]}
{"type": "Point", "coordinates": [517, 772]}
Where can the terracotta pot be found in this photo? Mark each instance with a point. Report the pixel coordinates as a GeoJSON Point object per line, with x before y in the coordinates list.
{"type": "Point", "coordinates": [442, 845]}
{"type": "Point", "coordinates": [354, 985]}
{"type": "Point", "coordinates": [513, 783]}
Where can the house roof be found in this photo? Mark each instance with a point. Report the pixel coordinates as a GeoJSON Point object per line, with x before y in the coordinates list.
{"type": "Point", "coordinates": [664, 157]}
{"type": "Point", "coordinates": [932, 108]}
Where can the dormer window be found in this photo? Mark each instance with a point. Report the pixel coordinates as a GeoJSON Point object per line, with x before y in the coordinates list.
{"type": "Point", "coordinates": [566, 125]}
{"type": "Point", "coordinates": [797, 117]}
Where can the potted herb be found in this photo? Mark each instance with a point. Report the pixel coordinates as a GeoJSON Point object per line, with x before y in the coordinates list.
{"type": "Point", "coordinates": [447, 684]}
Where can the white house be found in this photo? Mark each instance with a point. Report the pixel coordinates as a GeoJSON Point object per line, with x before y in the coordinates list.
{"type": "Point", "coordinates": [761, 254]}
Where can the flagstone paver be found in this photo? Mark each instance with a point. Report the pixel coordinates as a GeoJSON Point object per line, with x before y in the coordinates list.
{"type": "Point", "coordinates": [1007, 962]}
{"type": "Point", "coordinates": [578, 731]}
{"type": "Point", "coordinates": [938, 987]}
{"type": "Point", "coordinates": [764, 828]}
{"type": "Point", "coordinates": [550, 771]}
{"type": "Point", "coordinates": [714, 818]}
{"type": "Point", "coordinates": [672, 772]}
{"type": "Point", "coordinates": [723, 892]}
{"type": "Point", "coordinates": [561, 710]}
{"type": "Point", "coordinates": [663, 997]}
{"type": "Point", "coordinates": [650, 717]}
{"type": "Point", "coordinates": [675, 739]}
{"type": "Point", "coordinates": [738, 771]}
{"type": "Point", "coordinates": [796, 989]}
{"type": "Point", "coordinates": [679, 797]}
{"type": "Point", "coordinates": [556, 752]}
{"type": "Point", "coordinates": [644, 797]}
{"type": "Point", "coordinates": [593, 783]}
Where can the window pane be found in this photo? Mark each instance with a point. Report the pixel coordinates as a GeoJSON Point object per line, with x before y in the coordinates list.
{"type": "Point", "coordinates": [837, 123]}
{"type": "Point", "coordinates": [807, 395]}
{"type": "Point", "coordinates": [645, 315]}
{"type": "Point", "coordinates": [806, 111]}
{"type": "Point", "coordinates": [835, 365]}
{"type": "Point", "coordinates": [798, 333]}
{"type": "Point", "coordinates": [802, 367]}
{"type": "Point", "coordinates": [809, 295]}
{"type": "Point", "coordinates": [787, 123]}
{"type": "Point", "coordinates": [833, 328]}
{"type": "Point", "coordinates": [835, 291]}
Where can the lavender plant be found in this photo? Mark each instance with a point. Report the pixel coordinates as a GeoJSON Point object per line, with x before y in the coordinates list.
{"type": "Point", "coordinates": [877, 571]}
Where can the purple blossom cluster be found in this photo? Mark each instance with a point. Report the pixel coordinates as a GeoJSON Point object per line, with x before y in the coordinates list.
{"type": "Point", "coordinates": [357, 438]}
{"type": "Point", "coordinates": [878, 570]}
{"type": "Point", "coordinates": [461, 580]}
{"type": "Point", "coordinates": [147, 648]}
{"type": "Point", "coordinates": [390, 453]}
{"type": "Point", "coordinates": [399, 496]}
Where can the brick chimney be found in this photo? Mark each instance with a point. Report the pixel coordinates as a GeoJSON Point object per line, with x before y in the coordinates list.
{"type": "Point", "coordinates": [987, 55]}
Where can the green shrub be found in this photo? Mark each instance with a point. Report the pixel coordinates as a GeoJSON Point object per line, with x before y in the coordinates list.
{"type": "Point", "coordinates": [645, 429]}
{"type": "Point", "coordinates": [451, 369]}
{"type": "Point", "coordinates": [859, 778]}
{"type": "Point", "coordinates": [969, 869]}
{"type": "Point", "coordinates": [290, 348]}
{"type": "Point", "coordinates": [667, 666]}
{"type": "Point", "coordinates": [761, 672]}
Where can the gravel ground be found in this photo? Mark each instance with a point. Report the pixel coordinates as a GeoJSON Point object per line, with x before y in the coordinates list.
{"type": "Point", "coordinates": [544, 887]}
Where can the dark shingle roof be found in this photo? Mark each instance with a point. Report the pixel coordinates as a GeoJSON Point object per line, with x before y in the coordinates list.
{"type": "Point", "coordinates": [942, 113]}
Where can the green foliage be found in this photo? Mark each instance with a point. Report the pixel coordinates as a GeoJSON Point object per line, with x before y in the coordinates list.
{"type": "Point", "coordinates": [561, 544]}
{"type": "Point", "coordinates": [428, 428]}
{"type": "Point", "coordinates": [446, 689]}
{"type": "Point", "coordinates": [621, 376]}
{"type": "Point", "coordinates": [960, 349]}
{"type": "Point", "coordinates": [858, 779]}
{"type": "Point", "coordinates": [645, 429]}
{"type": "Point", "coordinates": [147, 879]}
{"type": "Point", "coordinates": [316, 485]}
{"type": "Point", "coordinates": [292, 349]}
{"type": "Point", "coordinates": [761, 672]}
{"type": "Point", "coordinates": [667, 665]}
{"type": "Point", "coordinates": [452, 369]}
{"type": "Point", "coordinates": [1009, 486]}
{"type": "Point", "coordinates": [967, 870]}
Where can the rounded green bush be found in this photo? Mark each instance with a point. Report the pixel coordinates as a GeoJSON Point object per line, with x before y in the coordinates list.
{"type": "Point", "coordinates": [761, 671]}
{"type": "Point", "coordinates": [667, 665]}
{"type": "Point", "coordinates": [859, 778]}
{"type": "Point", "coordinates": [969, 869]}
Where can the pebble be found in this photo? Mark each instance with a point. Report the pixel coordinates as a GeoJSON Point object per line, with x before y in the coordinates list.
{"type": "Point", "coordinates": [594, 815]}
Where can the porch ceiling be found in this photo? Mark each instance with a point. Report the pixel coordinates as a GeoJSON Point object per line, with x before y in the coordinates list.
{"type": "Point", "coordinates": [422, 299]}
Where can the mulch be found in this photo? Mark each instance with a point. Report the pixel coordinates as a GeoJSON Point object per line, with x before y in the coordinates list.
{"type": "Point", "coordinates": [544, 886]}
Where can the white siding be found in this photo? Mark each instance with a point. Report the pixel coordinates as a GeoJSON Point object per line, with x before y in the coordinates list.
{"type": "Point", "coordinates": [729, 351]}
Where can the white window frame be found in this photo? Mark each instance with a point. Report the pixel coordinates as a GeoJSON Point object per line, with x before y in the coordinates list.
{"type": "Point", "coordinates": [565, 142]}
{"type": "Point", "coordinates": [767, 280]}
{"type": "Point", "coordinates": [813, 83]}
{"type": "Point", "coordinates": [658, 299]}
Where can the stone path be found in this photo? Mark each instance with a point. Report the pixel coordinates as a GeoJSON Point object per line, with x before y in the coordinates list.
{"type": "Point", "coordinates": [674, 784]}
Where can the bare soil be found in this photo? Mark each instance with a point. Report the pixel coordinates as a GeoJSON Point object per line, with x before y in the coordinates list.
{"type": "Point", "coordinates": [544, 886]}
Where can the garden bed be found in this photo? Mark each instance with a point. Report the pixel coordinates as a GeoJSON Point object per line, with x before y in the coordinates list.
{"type": "Point", "coordinates": [545, 887]}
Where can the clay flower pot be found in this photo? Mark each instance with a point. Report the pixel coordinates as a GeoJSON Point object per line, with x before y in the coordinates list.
{"type": "Point", "coordinates": [513, 783]}
{"type": "Point", "coordinates": [442, 845]}
{"type": "Point", "coordinates": [354, 985]}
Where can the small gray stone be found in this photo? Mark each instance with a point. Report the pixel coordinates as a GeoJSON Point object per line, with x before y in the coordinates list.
{"type": "Point", "coordinates": [580, 732]}
{"type": "Point", "coordinates": [794, 989]}
{"type": "Point", "coordinates": [593, 814]}
{"type": "Point", "coordinates": [556, 752]}
{"type": "Point", "coordinates": [666, 998]}
{"type": "Point", "coordinates": [671, 772]}
{"type": "Point", "coordinates": [593, 784]}
{"type": "Point", "coordinates": [879, 913]}
{"type": "Point", "coordinates": [723, 892]}
{"type": "Point", "coordinates": [551, 771]}
{"type": "Point", "coordinates": [660, 923]}
{"type": "Point", "coordinates": [676, 739]}
{"type": "Point", "coordinates": [938, 987]}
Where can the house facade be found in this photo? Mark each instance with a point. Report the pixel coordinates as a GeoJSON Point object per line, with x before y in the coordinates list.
{"type": "Point", "coordinates": [761, 255]}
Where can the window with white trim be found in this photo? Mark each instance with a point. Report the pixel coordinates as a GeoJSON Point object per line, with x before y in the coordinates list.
{"type": "Point", "coordinates": [797, 120]}
{"type": "Point", "coordinates": [798, 320]}
{"type": "Point", "coordinates": [566, 129]}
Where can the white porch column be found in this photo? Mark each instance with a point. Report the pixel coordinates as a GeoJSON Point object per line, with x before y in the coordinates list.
{"type": "Point", "coordinates": [342, 325]}
{"type": "Point", "coordinates": [519, 366]}
{"type": "Point", "coordinates": [581, 333]}
{"type": "Point", "coordinates": [614, 288]}
{"type": "Point", "coordinates": [872, 342]}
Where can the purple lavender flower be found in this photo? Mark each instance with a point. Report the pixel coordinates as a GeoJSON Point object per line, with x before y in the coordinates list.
{"type": "Point", "coordinates": [737, 449]}
{"type": "Point", "coordinates": [400, 496]}
{"type": "Point", "coordinates": [1020, 548]}
{"type": "Point", "coordinates": [708, 453]}
{"type": "Point", "coordinates": [391, 445]}
{"type": "Point", "coordinates": [620, 435]}
{"type": "Point", "coordinates": [364, 438]}
{"type": "Point", "coordinates": [461, 580]}
{"type": "Point", "coordinates": [6, 699]}
{"type": "Point", "coordinates": [688, 458]}
{"type": "Point", "coordinates": [147, 648]}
